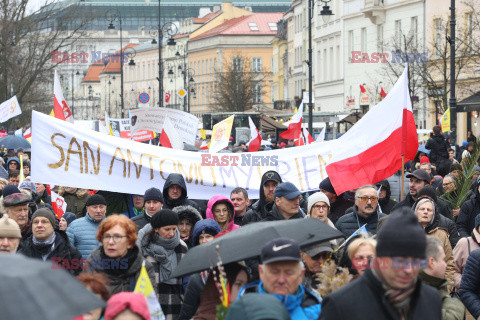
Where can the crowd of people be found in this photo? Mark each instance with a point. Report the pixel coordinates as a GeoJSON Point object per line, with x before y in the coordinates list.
{"type": "Point", "coordinates": [416, 258]}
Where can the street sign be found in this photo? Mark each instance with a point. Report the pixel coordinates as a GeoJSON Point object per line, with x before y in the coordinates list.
{"type": "Point", "coordinates": [181, 93]}
{"type": "Point", "coordinates": [143, 97]}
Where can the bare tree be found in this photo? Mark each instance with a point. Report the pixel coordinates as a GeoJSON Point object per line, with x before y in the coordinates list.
{"type": "Point", "coordinates": [239, 85]}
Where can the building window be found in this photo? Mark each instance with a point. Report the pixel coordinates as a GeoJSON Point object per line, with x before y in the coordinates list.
{"type": "Point", "coordinates": [398, 33]}
{"type": "Point", "coordinates": [380, 37]}
{"type": "Point", "coordinates": [256, 64]}
{"type": "Point", "coordinates": [253, 26]}
{"type": "Point", "coordinates": [414, 31]}
{"type": "Point", "coordinates": [237, 64]}
{"type": "Point", "coordinates": [364, 40]}
{"type": "Point", "coordinates": [257, 93]}
{"type": "Point", "coordinates": [469, 30]}
{"type": "Point", "coordinates": [351, 44]}
{"type": "Point", "coordinates": [438, 37]}
{"type": "Point", "coordinates": [273, 26]}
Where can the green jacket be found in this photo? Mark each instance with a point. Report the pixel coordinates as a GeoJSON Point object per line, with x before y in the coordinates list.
{"type": "Point", "coordinates": [452, 308]}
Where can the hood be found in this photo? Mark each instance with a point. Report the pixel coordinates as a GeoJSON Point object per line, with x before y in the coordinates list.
{"type": "Point", "coordinates": [80, 193]}
{"type": "Point", "coordinates": [14, 159]}
{"type": "Point", "coordinates": [385, 185]}
{"type": "Point", "coordinates": [267, 176]}
{"type": "Point", "coordinates": [213, 200]}
{"type": "Point", "coordinates": [189, 213]}
{"type": "Point", "coordinates": [174, 178]}
{"type": "Point", "coordinates": [136, 302]}
{"type": "Point", "coordinates": [210, 226]}
{"type": "Point", "coordinates": [436, 217]}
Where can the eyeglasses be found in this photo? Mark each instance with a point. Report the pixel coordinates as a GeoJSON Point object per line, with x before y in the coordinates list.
{"type": "Point", "coordinates": [446, 184]}
{"type": "Point", "coordinates": [365, 199]}
{"type": "Point", "coordinates": [116, 238]}
{"type": "Point", "coordinates": [320, 206]}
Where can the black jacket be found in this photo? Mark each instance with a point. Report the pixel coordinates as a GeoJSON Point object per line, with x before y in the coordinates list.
{"type": "Point", "coordinates": [469, 293]}
{"type": "Point", "coordinates": [338, 208]}
{"type": "Point", "coordinates": [349, 223]}
{"type": "Point", "coordinates": [64, 255]}
{"type": "Point", "coordinates": [364, 299]}
{"type": "Point", "coordinates": [142, 220]}
{"type": "Point", "coordinates": [275, 215]}
{"type": "Point", "coordinates": [438, 148]}
{"type": "Point", "coordinates": [191, 299]}
{"type": "Point", "coordinates": [386, 204]}
{"type": "Point", "coordinates": [177, 178]}
{"type": "Point", "coordinates": [468, 212]}
{"type": "Point", "coordinates": [442, 206]}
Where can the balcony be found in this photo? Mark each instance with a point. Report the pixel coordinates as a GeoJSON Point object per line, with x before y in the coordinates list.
{"type": "Point", "coordinates": [374, 10]}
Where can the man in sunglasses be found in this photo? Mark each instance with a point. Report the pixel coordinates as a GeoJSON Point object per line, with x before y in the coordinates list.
{"type": "Point", "coordinates": [314, 257]}
{"type": "Point", "coordinates": [364, 212]}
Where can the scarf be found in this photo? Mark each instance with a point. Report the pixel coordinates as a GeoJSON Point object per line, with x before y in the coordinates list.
{"type": "Point", "coordinates": [399, 299]}
{"type": "Point", "coordinates": [44, 246]}
{"type": "Point", "coordinates": [163, 251]}
{"type": "Point", "coordinates": [131, 256]}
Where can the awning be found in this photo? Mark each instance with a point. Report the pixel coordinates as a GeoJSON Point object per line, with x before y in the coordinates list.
{"type": "Point", "coordinates": [270, 125]}
{"type": "Point", "coordinates": [469, 104]}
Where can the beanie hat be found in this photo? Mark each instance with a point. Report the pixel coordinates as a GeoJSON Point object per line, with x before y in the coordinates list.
{"type": "Point", "coordinates": [153, 194]}
{"type": "Point", "coordinates": [257, 306]}
{"type": "Point", "coordinates": [9, 189]}
{"type": "Point", "coordinates": [133, 301]}
{"type": "Point", "coordinates": [27, 184]}
{"type": "Point", "coordinates": [477, 221]}
{"type": "Point", "coordinates": [401, 236]}
{"type": "Point", "coordinates": [69, 217]}
{"type": "Point", "coordinates": [95, 199]}
{"type": "Point", "coordinates": [46, 213]}
{"type": "Point", "coordinates": [427, 191]}
{"type": "Point", "coordinates": [327, 186]}
{"type": "Point", "coordinates": [424, 159]}
{"type": "Point", "coordinates": [316, 197]}
{"type": "Point", "coordinates": [164, 217]}
{"type": "Point", "coordinates": [9, 228]}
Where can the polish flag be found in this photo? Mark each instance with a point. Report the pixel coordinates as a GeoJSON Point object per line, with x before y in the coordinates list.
{"type": "Point", "coordinates": [299, 141]}
{"type": "Point", "coordinates": [61, 205]}
{"type": "Point", "coordinates": [169, 137]}
{"type": "Point", "coordinates": [256, 140]}
{"type": "Point", "coordinates": [308, 138]}
{"type": "Point", "coordinates": [381, 91]}
{"type": "Point", "coordinates": [372, 149]}
{"type": "Point", "coordinates": [60, 107]}
{"type": "Point", "coordinates": [28, 133]}
{"type": "Point", "coordinates": [204, 145]}
{"type": "Point", "coordinates": [362, 89]}
{"type": "Point", "coordinates": [167, 97]}
{"type": "Point", "coordinates": [321, 136]}
{"type": "Point", "coordinates": [294, 126]}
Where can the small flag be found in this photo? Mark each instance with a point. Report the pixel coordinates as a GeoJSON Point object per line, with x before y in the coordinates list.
{"type": "Point", "coordinates": [60, 107]}
{"type": "Point", "coordinates": [362, 89]}
{"type": "Point", "coordinates": [167, 97]}
{"type": "Point", "coordinates": [361, 230]}
{"type": "Point", "coordinates": [294, 126]}
{"type": "Point", "coordinates": [144, 287]}
{"type": "Point", "coordinates": [445, 121]}
{"type": "Point", "coordinates": [169, 137]}
{"type": "Point", "coordinates": [204, 145]}
{"type": "Point", "coordinates": [28, 133]}
{"type": "Point", "coordinates": [203, 134]}
{"type": "Point", "coordinates": [321, 136]}
{"type": "Point", "coordinates": [307, 137]}
{"type": "Point", "coordinates": [60, 205]}
{"type": "Point", "coordinates": [255, 138]}
{"type": "Point", "coordinates": [19, 132]}
{"type": "Point", "coordinates": [381, 91]}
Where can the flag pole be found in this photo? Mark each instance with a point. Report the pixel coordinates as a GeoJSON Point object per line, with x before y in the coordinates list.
{"type": "Point", "coordinates": [403, 178]}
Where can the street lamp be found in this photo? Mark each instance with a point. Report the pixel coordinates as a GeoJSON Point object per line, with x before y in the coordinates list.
{"type": "Point", "coordinates": [325, 13]}
{"type": "Point", "coordinates": [187, 74]}
{"type": "Point", "coordinates": [113, 15]}
{"type": "Point", "coordinates": [453, 99]}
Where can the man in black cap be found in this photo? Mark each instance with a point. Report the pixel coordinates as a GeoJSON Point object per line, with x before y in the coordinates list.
{"type": "Point", "coordinates": [390, 288]}
{"type": "Point", "coordinates": [338, 203]}
{"type": "Point", "coordinates": [314, 256]}
{"type": "Point", "coordinates": [419, 179]}
{"type": "Point", "coordinates": [281, 274]}
{"type": "Point", "coordinates": [286, 204]}
{"type": "Point", "coordinates": [49, 243]}
{"type": "Point", "coordinates": [153, 199]}
{"type": "Point", "coordinates": [270, 180]}
{"type": "Point", "coordinates": [82, 232]}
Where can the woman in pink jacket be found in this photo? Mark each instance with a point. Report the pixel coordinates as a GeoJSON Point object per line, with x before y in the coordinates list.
{"type": "Point", "coordinates": [462, 251]}
{"type": "Point", "coordinates": [220, 209]}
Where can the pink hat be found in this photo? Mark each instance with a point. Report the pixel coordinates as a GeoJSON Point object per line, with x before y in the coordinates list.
{"type": "Point", "coordinates": [424, 159]}
{"type": "Point", "coordinates": [135, 302]}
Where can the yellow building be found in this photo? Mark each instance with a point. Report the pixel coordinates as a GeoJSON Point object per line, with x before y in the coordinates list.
{"type": "Point", "coordinates": [212, 51]}
{"type": "Point", "coordinates": [279, 64]}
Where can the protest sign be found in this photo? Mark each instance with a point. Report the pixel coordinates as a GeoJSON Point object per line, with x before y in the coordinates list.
{"type": "Point", "coordinates": [9, 109]}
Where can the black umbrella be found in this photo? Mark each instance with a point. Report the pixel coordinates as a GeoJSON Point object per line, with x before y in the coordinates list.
{"type": "Point", "coordinates": [247, 242]}
{"type": "Point", "coordinates": [15, 142]}
{"type": "Point", "coordinates": [32, 290]}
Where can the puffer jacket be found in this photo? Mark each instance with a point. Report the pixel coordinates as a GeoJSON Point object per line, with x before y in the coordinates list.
{"type": "Point", "coordinates": [468, 211]}
{"type": "Point", "coordinates": [211, 203]}
{"type": "Point", "coordinates": [351, 222]}
{"type": "Point", "coordinates": [82, 234]}
{"type": "Point", "coordinates": [304, 305]}
{"type": "Point", "coordinates": [75, 201]}
{"type": "Point", "coordinates": [177, 178]}
{"type": "Point", "coordinates": [461, 253]}
{"type": "Point", "coordinates": [469, 287]}
{"type": "Point", "coordinates": [121, 281]}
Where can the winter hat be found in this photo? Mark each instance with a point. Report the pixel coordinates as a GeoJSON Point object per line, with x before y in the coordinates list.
{"type": "Point", "coordinates": [401, 236]}
{"type": "Point", "coordinates": [327, 186]}
{"type": "Point", "coordinates": [95, 199]}
{"type": "Point", "coordinates": [271, 176]}
{"type": "Point", "coordinates": [69, 217]}
{"type": "Point", "coordinates": [9, 189]}
{"type": "Point", "coordinates": [164, 217]}
{"type": "Point", "coordinates": [257, 306]}
{"type": "Point", "coordinates": [153, 194]}
{"type": "Point", "coordinates": [9, 228]}
{"type": "Point", "coordinates": [316, 197]}
{"type": "Point", "coordinates": [46, 213]}
{"type": "Point", "coordinates": [27, 184]}
{"type": "Point", "coordinates": [16, 199]}
{"type": "Point", "coordinates": [121, 301]}
{"type": "Point", "coordinates": [477, 221]}
{"type": "Point", "coordinates": [208, 226]}
{"type": "Point", "coordinates": [424, 159]}
{"type": "Point", "coordinates": [188, 213]}
{"type": "Point", "coordinates": [428, 191]}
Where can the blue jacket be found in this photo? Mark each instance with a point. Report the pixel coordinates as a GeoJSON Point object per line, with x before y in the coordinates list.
{"type": "Point", "coordinates": [470, 285]}
{"type": "Point", "coordinates": [304, 305]}
{"type": "Point", "coordinates": [83, 234]}
{"type": "Point", "coordinates": [350, 222]}
{"type": "Point", "coordinates": [132, 212]}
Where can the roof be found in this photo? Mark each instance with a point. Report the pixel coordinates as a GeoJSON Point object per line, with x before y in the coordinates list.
{"type": "Point", "coordinates": [255, 24]}
{"type": "Point", "coordinates": [208, 17]}
{"type": "Point", "coordinates": [471, 103]}
{"type": "Point", "coordinates": [93, 73]}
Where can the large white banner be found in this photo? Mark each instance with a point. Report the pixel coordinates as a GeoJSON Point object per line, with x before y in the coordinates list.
{"type": "Point", "coordinates": [9, 109]}
{"type": "Point", "coordinates": [68, 155]}
{"type": "Point", "coordinates": [152, 119]}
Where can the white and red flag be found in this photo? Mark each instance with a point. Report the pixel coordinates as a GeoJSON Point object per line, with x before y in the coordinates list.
{"type": "Point", "coordinates": [167, 97]}
{"type": "Point", "coordinates": [381, 91]}
{"type": "Point", "coordinates": [28, 133]}
{"type": "Point", "coordinates": [255, 138]}
{"type": "Point", "coordinates": [169, 137]}
{"type": "Point", "coordinates": [372, 149]}
{"type": "Point", "coordinates": [294, 126]}
{"type": "Point", "coordinates": [307, 137]}
{"type": "Point", "coordinates": [362, 88]}
{"type": "Point", "coordinates": [60, 107]}
{"type": "Point", "coordinates": [61, 205]}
